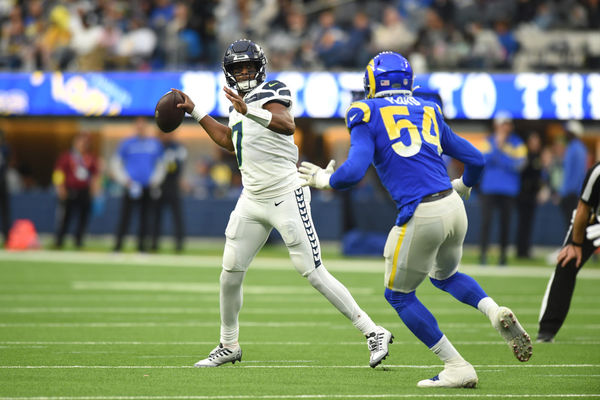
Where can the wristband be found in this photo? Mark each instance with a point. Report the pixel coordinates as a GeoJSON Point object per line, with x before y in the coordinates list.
{"type": "Point", "coordinates": [197, 114]}
{"type": "Point", "coordinates": [573, 243]}
{"type": "Point", "coordinates": [259, 115]}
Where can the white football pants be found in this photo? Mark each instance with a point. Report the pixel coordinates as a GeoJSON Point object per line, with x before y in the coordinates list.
{"type": "Point", "coordinates": [430, 243]}
{"type": "Point", "coordinates": [247, 231]}
{"type": "Point", "coordinates": [251, 223]}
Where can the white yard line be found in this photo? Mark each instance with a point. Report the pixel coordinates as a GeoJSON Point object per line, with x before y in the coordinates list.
{"type": "Point", "coordinates": [249, 311]}
{"type": "Point", "coordinates": [316, 396]}
{"type": "Point", "coordinates": [437, 366]}
{"type": "Point", "coordinates": [266, 343]}
{"type": "Point", "coordinates": [212, 287]}
{"type": "Point", "coordinates": [363, 265]}
{"type": "Point", "coordinates": [289, 324]}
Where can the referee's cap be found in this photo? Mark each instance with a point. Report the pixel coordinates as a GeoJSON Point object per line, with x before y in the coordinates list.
{"type": "Point", "coordinates": [575, 127]}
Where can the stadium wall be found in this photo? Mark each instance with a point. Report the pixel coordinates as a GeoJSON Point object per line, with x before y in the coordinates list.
{"type": "Point", "coordinates": [208, 218]}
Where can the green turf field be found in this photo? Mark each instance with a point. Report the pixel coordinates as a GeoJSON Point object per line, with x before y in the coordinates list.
{"type": "Point", "coordinates": [94, 325]}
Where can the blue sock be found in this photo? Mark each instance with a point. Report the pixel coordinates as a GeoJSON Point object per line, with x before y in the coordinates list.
{"type": "Point", "coordinates": [462, 287]}
{"type": "Point", "coordinates": [415, 316]}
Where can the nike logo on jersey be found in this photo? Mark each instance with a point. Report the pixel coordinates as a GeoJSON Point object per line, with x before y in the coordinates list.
{"type": "Point", "coordinates": [352, 117]}
{"type": "Point", "coordinates": [273, 84]}
{"type": "Point", "coordinates": [276, 203]}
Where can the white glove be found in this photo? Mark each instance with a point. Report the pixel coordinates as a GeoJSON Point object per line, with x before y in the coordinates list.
{"type": "Point", "coordinates": [315, 176]}
{"type": "Point", "coordinates": [593, 233]}
{"type": "Point", "coordinates": [463, 190]}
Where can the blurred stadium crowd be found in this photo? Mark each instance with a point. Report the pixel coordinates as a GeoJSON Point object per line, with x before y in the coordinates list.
{"type": "Point", "coordinates": [503, 35]}
{"type": "Point", "coordinates": [333, 35]}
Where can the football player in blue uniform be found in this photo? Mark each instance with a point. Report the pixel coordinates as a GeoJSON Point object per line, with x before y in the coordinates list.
{"type": "Point", "coordinates": [405, 137]}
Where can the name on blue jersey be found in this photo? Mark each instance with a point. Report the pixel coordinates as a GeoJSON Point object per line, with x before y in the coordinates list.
{"type": "Point", "coordinates": [403, 100]}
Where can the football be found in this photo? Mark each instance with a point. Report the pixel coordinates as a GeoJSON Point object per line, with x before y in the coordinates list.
{"type": "Point", "coordinates": [168, 117]}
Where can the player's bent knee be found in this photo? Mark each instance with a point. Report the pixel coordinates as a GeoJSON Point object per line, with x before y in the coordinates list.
{"type": "Point", "coordinates": [442, 283]}
{"type": "Point", "coordinates": [399, 300]}
{"type": "Point", "coordinates": [289, 234]}
{"type": "Point", "coordinates": [231, 279]}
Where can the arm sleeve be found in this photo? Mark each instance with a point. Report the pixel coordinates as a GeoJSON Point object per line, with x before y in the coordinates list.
{"type": "Point", "coordinates": [459, 148]}
{"type": "Point", "coordinates": [360, 156]}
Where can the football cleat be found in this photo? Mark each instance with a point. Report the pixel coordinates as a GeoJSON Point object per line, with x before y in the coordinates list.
{"type": "Point", "coordinates": [378, 341]}
{"type": "Point", "coordinates": [513, 333]}
{"type": "Point", "coordinates": [221, 355]}
{"type": "Point", "coordinates": [545, 338]}
{"type": "Point", "coordinates": [453, 376]}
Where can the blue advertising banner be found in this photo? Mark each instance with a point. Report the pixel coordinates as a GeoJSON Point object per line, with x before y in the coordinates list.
{"type": "Point", "coordinates": [316, 94]}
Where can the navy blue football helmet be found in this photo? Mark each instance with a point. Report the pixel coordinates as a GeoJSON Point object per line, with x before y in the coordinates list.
{"type": "Point", "coordinates": [244, 50]}
{"type": "Point", "coordinates": [388, 73]}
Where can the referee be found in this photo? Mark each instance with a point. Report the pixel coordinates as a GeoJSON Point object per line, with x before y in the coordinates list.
{"type": "Point", "coordinates": [576, 251]}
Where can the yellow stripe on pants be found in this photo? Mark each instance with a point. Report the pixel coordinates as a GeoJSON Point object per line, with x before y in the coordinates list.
{"type": "Point", "coordinates": [396, 251]}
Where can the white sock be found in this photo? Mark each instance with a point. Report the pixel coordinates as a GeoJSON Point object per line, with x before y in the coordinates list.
{"type": "Point", "coordinates": [488, 306]}
{"type": "Point", "coordinates": [231, 299]}
{"type": "Point", "coordinates": [340, 297]}
{"type": "Point", "coordinates": [446, 351]}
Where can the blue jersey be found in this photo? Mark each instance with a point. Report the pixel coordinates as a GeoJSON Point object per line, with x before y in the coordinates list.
{"type": "Point", "coordinates": [405, 138]}
{"type": "Point", "coordinates": [503, 166]}
{"type": "Point", "coordinates": [140, 156]}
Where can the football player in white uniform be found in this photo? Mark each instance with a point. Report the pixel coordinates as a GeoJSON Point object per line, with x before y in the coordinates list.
{"type": "Point", "coordinates": [260, 132]}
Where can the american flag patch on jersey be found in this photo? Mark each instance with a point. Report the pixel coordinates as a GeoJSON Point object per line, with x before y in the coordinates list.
{"type": "Point", "coordinates": [385, 82]}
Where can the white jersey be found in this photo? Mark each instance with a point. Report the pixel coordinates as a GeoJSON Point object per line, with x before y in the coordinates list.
{"type": "Point", "coordinates": [267, 160]}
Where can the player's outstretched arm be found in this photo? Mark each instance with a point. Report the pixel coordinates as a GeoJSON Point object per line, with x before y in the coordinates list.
{"type": "Point", "coordinates": [219, 133]}
{"type": "Point", "coordinates": [273, 116]}
{"type": "Point", "coordinates": [573, 249]}
{"type": "Point", "coordinates": [315, 176]}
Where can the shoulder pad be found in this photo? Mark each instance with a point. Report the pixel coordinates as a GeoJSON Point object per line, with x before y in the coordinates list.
{"type": "Point", "coordinates": [271, 91]}
{"type": "Point", "coordinates": [357, 113]}
{"type": "Point", "coordinates": [274, 85]}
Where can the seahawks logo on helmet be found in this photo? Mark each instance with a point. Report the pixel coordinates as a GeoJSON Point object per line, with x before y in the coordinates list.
{"type": "Point", "coordinates": [244, 50]}
{"type": "Point", "coordinates": [387, 74]}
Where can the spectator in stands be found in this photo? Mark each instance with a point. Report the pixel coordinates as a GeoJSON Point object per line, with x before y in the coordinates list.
{"type": "Point", "coordinates": [574, 169]}
{"type": "Point", "coordinates": [138, 166]}
{"type": "Point", "coordinates": [136, 46]}
{"type": "Point", "coordinates": [532, 178]}
{"type": "Point", "coordinates": [486, 49]}
{"type": "Point", "coordinates": [505, 155]}
{"type": "Point", "coordinates": [286, 41]}
{"type": "Point", "coordinates": [592, 8]}
{"type": "Point", "coordinates": [507, 40]}
{"type": "Point", "coordinates": [182, 43]}
{"type": "Point", "coordinates": [174, 158]}
{"type": "Point", "coordinates": [76, 178]}
{"type": "Point", "coordinates": [13, 41]}
{"type": "Point", "coordinates": [328, 40]}
{"type": "Point", "coordinates": [4, 193]}
{"type": "Point", "coordinates": [355, 52]}
{"type": "Point", "coordinates": [392, 34]}
{"type": "Point", "coordinates": [54, 45]}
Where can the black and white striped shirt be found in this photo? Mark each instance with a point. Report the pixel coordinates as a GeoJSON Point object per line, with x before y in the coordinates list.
{"type": "Point", "coordinates": [590, 193]}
